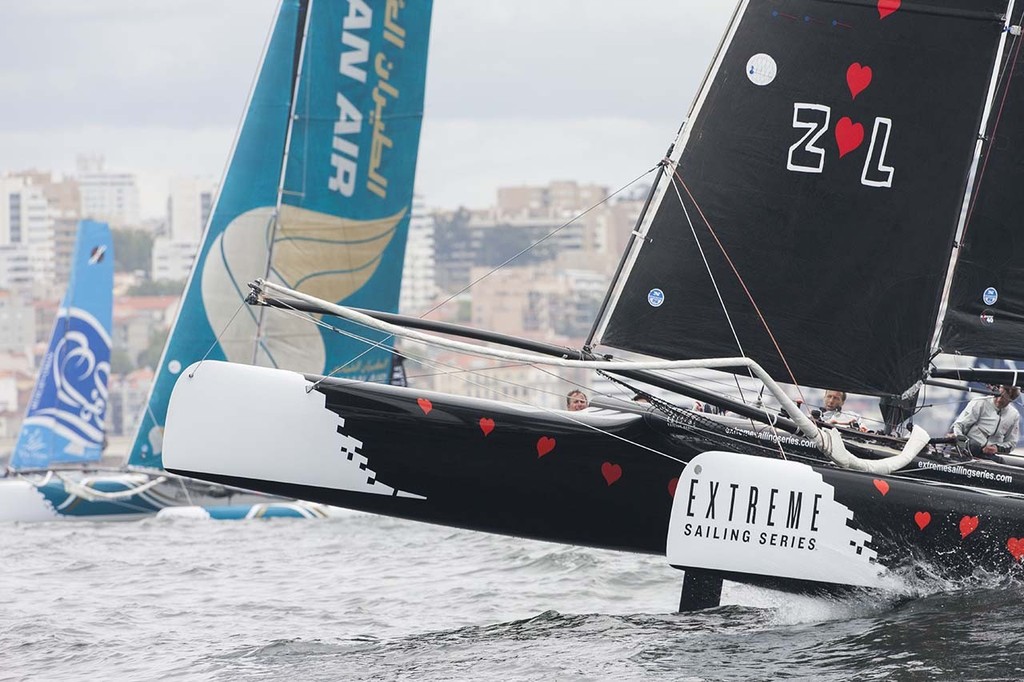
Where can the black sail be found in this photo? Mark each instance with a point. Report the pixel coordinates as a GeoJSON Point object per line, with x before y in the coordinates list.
{"type": "Point", "coordinates": [985, 315]}
{"type": "Point", "coordinates": [823, 169]}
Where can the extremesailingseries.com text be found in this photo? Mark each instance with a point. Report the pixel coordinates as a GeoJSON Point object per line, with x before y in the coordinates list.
{"type": "Point", "coordinates": [959, 470]}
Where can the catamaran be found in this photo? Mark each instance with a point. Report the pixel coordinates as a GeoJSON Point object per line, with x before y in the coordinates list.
{"type": "Point", "coordinates": [838, 210]}
{"type": "Point", "coordinates": [318, 193]}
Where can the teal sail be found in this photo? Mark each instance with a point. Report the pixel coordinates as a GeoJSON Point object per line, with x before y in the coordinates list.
{"type": "Point", "coordinates": [317, 196]}
{"type": "Point", "coordinates": [65, 419]}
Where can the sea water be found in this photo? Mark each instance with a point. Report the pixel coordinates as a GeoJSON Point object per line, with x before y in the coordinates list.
{"type": "Point", "coordinates": [363, 597]}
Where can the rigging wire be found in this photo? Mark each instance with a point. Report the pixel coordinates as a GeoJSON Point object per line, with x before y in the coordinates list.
{"type": "Point", "coordinates": [216, 341]}
{"type": "Point", "coordinates": [423, 359]}
{"type": "Point", "coordinates": [802, 421]}
{"type": "Point", "coordinates": [678, 416]}
{"type": "Point", "coordinates": [561, 414]}
{"type": "Point", "coordinates": [528, 248]}
{"type": "Point", "coordinates": [542, 240]}
{"type": "Point", "coordinates": [714, 282]}
{"type": "Point", "coordinates": [750, 297]}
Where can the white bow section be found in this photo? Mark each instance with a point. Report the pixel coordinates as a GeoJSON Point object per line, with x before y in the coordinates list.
{"type": "Point", "coordinates": [262, 424]}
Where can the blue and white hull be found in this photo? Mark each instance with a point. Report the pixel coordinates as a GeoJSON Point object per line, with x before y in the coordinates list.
{"type": "Point", "coordinates": [128, 496]}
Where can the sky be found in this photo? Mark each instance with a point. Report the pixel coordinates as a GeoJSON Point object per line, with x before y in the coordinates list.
{"type": "Point", "coordinates": [517, 92]}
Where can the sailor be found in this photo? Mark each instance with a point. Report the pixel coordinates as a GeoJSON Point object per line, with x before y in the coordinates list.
{"type": "Point", "coordinates": [576, 400]}
{"type": "Point", "coordinates": [834, 412]}
{"type": "Point", "coordinates": [990, 425]}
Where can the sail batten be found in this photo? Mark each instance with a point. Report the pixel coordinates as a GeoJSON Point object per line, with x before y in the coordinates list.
{"type": "Point", "coordinates": [829, 153]}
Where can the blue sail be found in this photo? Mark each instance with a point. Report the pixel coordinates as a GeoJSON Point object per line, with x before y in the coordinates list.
{"type": "Point", "coordinates": [317, 196]}
{"type": "Point", "coordinates": [66, 416]}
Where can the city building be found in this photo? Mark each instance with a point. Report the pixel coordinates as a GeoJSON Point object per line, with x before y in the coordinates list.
{"type": "Point", "coordinates": [17, 325]}
{"type": "Point", "coordinates": [17, 382]}
{"type": "Point", "coordinates": [138, 319]}
{"type": "Point", "coordinates": [189, 206]}
{"type": "Point", "coordinates": [484, 378]}
{"type": "Point", "coordinates": [106, 195]}
{"type": "Point", "coordinates": [128, 394]}
{"type": "Point", "coordinates": [531, 226]}
{"type": "Point", "coordinates": [15, 268]}
{"type": "Point", "coordinates": [419, 287]}
{"type": "Point", "coordinates": [172, 260]}
{"type": "Point", "coordinates": [27, 226]}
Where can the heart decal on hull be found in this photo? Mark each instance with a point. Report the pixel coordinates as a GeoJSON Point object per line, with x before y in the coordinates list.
{"type": "Point", "coordinates": [968, 525]}
{"type": "Point", "coordinates": [611, 472]}
{"type": "Point", "coordinates": [486, 425]}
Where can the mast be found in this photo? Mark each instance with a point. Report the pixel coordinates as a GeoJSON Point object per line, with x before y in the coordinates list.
{"type": "Point", "coordinates": [300, 51]}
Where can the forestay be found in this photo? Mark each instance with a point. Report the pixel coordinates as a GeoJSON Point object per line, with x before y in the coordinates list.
{"type": "Point", "coordinates": [821, 175]}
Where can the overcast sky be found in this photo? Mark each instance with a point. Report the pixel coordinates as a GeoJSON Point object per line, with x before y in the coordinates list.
{"type": "Point", "coordinates": [518, 91]}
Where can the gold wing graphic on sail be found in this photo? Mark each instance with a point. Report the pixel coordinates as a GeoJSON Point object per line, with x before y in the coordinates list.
{"type": "Point", "coordinates": [327, 256]}
{"type": "Point", "coordinates": [323, 255]}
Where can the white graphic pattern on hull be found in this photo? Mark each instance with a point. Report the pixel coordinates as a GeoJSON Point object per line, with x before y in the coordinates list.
{"type": "Point", "coordinates": [270, 427]}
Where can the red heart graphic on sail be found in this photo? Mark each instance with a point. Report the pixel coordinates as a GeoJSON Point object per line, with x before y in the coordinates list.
{"type": "Point", "coordinates": [922, 519]}
{"type": "Point", "coordinates": [544, 446]}
{"type": "Point", "coordinates": [968, 525]}
{"type": "Point", "coordinates": [486, 425]}
{"type": "Point", "coordinates": [611, 472]}
{"type": "Point", "coordinates": [1016, 547]}
{"type": "Point", "coordinates": [672, 486]}
{"type": "Point", "coordinates": [425, 405]}
{"type": "Point", "coordinates": [883, 487]}
{"type": "Point", "coordinates": [849, 135]}
{"type": "Point", "coordinates": [887, 7]}
{"type": "Point", "coordinates": [857, 78]}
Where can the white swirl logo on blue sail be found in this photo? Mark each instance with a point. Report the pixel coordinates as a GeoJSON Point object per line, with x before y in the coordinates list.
{"type": "Point", "coordinates": [72, 393]}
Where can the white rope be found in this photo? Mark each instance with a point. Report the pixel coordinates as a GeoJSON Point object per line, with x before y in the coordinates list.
{"type": "Point", "coordinates": [91, 494]}
{"type": "Point", "coordinates": [840, 455]}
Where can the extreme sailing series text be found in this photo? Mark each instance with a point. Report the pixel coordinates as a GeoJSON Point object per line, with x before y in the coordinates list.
{"type": "Point", "coordinates": [748, 514]}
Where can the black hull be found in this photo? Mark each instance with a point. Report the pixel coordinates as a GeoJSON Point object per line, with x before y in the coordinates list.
{"type": "Point", "coordinates": [496, 468]}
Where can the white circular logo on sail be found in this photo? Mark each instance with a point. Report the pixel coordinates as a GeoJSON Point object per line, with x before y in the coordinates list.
{"type": "Point", "coordinates": [761, 69]}
{"type": "Point", "coordinates": [990, 296]}
{"type": "Point", "coordinates": [655, 297]}
{"type": "Point", "coordinates": [173, 366]}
